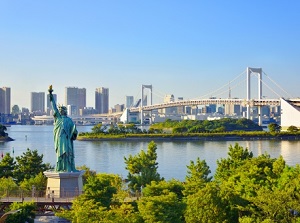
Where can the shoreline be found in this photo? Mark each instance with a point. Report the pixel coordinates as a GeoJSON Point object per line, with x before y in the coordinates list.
{"type": "Point", "coordinates": [6, 139]}
{"type": "Point", "coordinates": [195, 138]}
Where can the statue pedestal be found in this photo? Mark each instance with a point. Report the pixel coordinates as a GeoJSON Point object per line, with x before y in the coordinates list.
{"type": "Point", "coordinates": [64, 184]}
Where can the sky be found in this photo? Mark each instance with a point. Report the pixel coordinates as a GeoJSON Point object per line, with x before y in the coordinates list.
{"type": "Point", "coordinates": [184, 48]}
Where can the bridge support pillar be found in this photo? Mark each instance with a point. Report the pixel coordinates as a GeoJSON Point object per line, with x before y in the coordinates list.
{"type": "Point", "coordinates": [142, 102]}
{"type": "Point", "coordinates": [258, 71]}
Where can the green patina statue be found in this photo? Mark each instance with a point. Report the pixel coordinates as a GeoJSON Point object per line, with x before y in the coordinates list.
{"type": "Point", "coordinates": [65, 133]}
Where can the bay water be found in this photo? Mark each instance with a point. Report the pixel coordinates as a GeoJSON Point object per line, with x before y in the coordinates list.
{"type": "Point", "coordinates": [108, 156]}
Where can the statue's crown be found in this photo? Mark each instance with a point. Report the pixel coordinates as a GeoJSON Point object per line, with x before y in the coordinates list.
{"type": "Point", "coordinates": [62, 108]}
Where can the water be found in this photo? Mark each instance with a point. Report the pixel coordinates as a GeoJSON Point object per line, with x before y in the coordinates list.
{"type": "Point", "coordinates": [173, 157]}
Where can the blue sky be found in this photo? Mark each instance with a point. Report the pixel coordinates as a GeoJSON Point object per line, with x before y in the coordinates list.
{"type": "Point", "coordinates": [185, 48]}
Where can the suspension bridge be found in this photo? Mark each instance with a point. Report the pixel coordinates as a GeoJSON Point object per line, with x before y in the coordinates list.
{"type": "Point", "coordinates": [145, 106]}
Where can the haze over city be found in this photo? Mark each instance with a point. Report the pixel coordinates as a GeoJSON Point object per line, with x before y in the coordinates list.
{"type": "Point", "coordinates": [181, 48]}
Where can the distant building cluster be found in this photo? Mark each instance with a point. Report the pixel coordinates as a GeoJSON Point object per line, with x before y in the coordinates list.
{"type": "Point", "coordinates": [40, 111]}
{"type": "Point", "coordinates": [75, 101]}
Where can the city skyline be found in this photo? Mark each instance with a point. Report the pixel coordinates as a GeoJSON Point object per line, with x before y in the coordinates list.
{"type": "Point", "coordinates": [185, 49]}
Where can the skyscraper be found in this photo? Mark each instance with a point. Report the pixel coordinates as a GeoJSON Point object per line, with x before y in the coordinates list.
{"type": "Point", "coordinates": [129, 101]}
{"type": "Point", "coordinates": [5, 100]}
{"type": "Point", "coordinates": [49, 106]}
{"type": "Point", "coordinates": [169, 98]}
{"type": "Point", "coordinates": [75, 96]}
{"type": "Point", "coordinates": [38, 102]}
{"type": "Point", "coordinates": [102, 100]}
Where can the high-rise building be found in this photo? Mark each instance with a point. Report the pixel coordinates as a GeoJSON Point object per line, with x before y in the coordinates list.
{"type": "Point", "coordinates": [5, 100]}
{"type": "Point", "coordinates": [180, 109]}
{"type": "Point", "coordinates": [232, 109]}
{"type": "Point", "coordinates": [76, 97]}
{"type": "Point", "coordinates": [102, 100]}
{"type": "Point", "coordinates": [129, 100]}
{"type": "Point", "coordinates": [49, 106]}
{"type": "Point", "coordinates": [38, 102]}
{"type": "Point", "coordinates": [81, 98]}
{"type": "Point", "coordinates": [212, 107]}
{"type": "Point", "coordinates": [119, 108]}
{"type": "Point", "coordinates": [169, 98]}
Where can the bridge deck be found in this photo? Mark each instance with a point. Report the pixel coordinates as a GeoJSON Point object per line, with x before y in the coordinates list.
{"type": "Point", "coordinates": [45, 206]}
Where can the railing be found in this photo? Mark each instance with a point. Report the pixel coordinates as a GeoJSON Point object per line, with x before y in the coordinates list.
{"type": "Point", "coordinates": [19, 195]}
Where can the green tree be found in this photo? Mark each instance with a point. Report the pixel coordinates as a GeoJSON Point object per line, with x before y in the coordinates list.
{"type": "Point", "coordinates": [97, 196]}
{"type": "Point", "coordinates": [101, 188]}
{"type": "Point", "coordinates": [98, 128]}
{"type": "Point", "coordinates": [197, 176]}
{"type": "Point", "coordinates": [39, 182]}
{"type": "Point", "coordinates": [84, 210]}
{"type": "Point", "coordinates": [206, 205]}
{"type": "Point", "coordinates": [226, 166]}
{"type": "Point", "coordinates": [274, 128]}
{"type": "Point", "coordinates": [21, 213]}
{"type": "Point", "coordinates": [7, 165]}
{"type": "Point", "coordinates": [88, 173]}
{"type": "Point", "coordinates": [164, 208]}
{"type": "Point", "coordinates": [249, 184]}
{"type": "Point", "coordinates": [164, 187]}
{"type": "Point", "coordinates": [142, 168]}
{"type": "Point", "coordinates": [7, 186]}
{"type": "Point", "coordinates": [125, 213]}
{"type": "Point", "coordinates": [292, 129]}
{"type": "Point", "coordinates": [29, 165]}
{"type": "Point", "coordinates": [2, 131]}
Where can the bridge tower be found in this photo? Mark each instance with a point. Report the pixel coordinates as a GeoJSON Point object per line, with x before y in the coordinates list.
{"type": "Point", "coordinates": [258, 71]}
{"type": "Point", "coordinates": [142, 100]}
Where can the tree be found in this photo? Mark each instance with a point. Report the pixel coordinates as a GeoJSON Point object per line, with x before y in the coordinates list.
{"type": "Point", "coordinates": [7, 165]}
{"type": "Point", "coordinates": [101, 188]}
{"type": "Point", "coordinates": [97, 128]}
{"type": "Point", "coordinates": [292, 129]}
{"type": "Point", "coordinates": [7, 186]}
{"type": "Point", "coordinates": [24, 213]}
{"type": "Point", "coordinates": [226, 166]}
{"type": "Point", "coordinates": [197, 176]}
{"type": "Point", "coordinates": [2, 131]}
{"type": "Point", "coordinates": [29, 165]}
{"type": "Point", "coordinates": [164, 208]}
{"type": "Point", "coordinates": [87, 211]}
{"type": "Point", "coordinates": [97, 196]}
{"type": "Point", "coordinates": [21, 212]}
{"type": "Point", "coordinates": [274, 128]}
{"type": "Point", "coordinates": [206, 205]}
{"type": "Point", "coordinates": [164, 187]}
{"type": "Point", "coordinates": [142, 168]}
{"type": "Point", "coordinates": [87, 173]}
{"type": "Point", "coordinates": [125, 213]}
{"type": "Point", "coordinates": [39, 182]}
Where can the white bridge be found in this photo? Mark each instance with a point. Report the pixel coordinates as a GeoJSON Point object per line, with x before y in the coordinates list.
{"type": "Point", "coordinates": [242, 102]}
{"type": "Point", "coordinates": [247, 102]}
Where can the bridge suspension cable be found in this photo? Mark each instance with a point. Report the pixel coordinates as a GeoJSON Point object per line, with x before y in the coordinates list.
{"type": "Point", "coordinates": [277, 85]}
{"type": "Point", "coordinates": [159, 94]}
{"type": "Point", "coordinates": [215, 91]}
{"type": "Point", "coordinates": [231, 87]}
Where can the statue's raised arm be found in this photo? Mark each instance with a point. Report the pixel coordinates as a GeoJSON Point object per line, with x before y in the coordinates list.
{"type": "Point", "coordinates": [53, 103]}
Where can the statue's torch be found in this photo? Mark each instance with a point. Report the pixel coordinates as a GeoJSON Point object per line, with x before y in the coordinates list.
{"type": "Point", "coordinates": [50, 89]}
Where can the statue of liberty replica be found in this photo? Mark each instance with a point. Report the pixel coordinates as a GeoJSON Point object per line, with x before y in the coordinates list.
{"type": "Point", "coordinates": [65, 180]}
{"type": "Point", "coordinates": [64, 134]}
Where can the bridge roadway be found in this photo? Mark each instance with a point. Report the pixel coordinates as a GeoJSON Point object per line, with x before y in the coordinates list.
{"type": "Point", "coordinates": [243, 102]}
{"type": "Point", "coordinates": [96, 118]}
